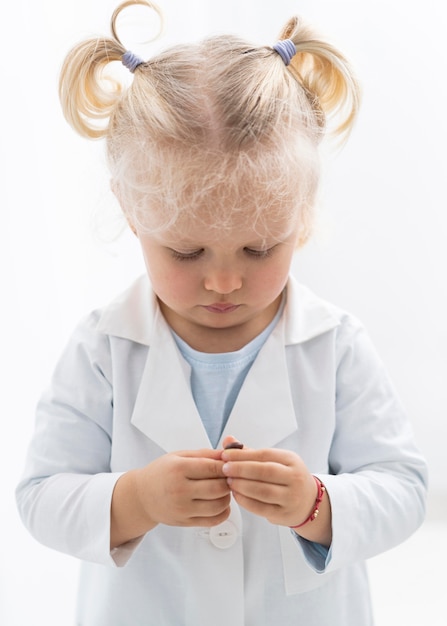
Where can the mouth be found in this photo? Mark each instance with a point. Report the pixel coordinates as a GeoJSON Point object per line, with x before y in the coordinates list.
{"type": "Point", "coordinates": [221, 307]}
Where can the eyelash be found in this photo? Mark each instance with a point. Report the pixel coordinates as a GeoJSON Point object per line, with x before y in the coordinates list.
{"type": "Point", "coordinates": [259, 254]}
{"type": "Point", "coordinates": [186, 256]}
{"type": "Point", "coordinates": [196, 254]}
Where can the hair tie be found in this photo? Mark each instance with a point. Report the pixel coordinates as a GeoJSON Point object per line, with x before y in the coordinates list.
{"type": "Point", "coordinates": [131, 61]}
{"type": "Point", "coordinates": [286, 50]}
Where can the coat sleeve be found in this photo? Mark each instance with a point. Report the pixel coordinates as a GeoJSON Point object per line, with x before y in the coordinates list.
{"type": "Point", "coordinates": [377, 477]}
{"type": "Point", "coordinates": [65, 493]}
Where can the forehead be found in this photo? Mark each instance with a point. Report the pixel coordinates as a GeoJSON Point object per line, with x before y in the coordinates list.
{"type": "Point", "coordinates": [216, 193]}
{"type": "Point", "coordinates": [240, 229]}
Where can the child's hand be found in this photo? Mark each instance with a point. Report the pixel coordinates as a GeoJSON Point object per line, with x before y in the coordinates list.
{"type": "Point", "coordinates": [186, 488]}
{"type": "Point", "coordinates": [272, 483]}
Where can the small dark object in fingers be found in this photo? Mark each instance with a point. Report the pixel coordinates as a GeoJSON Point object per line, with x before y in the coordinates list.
{"type": "Point", "coordinates": [234, 444]}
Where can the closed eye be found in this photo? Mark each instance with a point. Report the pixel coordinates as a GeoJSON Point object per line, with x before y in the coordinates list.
{"type": "Point", "coordinates": [186, 256]}
{"type": "Point", "coordinates": [259, 254]}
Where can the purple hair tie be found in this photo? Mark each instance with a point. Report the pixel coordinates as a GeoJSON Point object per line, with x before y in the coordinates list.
{"type": "Point", "coordinates": [131, 61]}
{"type": "Point", "coordinates": [286, 50]}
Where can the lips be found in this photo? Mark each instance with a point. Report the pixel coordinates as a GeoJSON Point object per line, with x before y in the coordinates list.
{"type": "Point", "coordinates": [222, 307]}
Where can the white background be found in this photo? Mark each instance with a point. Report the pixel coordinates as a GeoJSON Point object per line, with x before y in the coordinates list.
{"type": "Point", "coordinates": [380, 249]}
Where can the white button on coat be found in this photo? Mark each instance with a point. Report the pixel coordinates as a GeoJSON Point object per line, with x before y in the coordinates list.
{"type": "Point", "coordinates": [226, 534]}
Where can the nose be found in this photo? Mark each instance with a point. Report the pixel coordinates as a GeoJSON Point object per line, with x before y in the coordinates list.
{"type": "Point", "coordinates": [223, 280]}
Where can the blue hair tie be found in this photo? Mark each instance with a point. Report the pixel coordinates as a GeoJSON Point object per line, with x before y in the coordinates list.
{"type": "Point", "coordinates": [131, 61]}
{"type": "Point", "coordinates": [286, 50]}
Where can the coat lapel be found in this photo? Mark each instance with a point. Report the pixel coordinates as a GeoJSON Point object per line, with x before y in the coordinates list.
{"type": "Point", "coordinates": [263, 414]}
{"type": "Point", "coordinates": [164, 409]}
{"type": "Point", "coordinates": [165, 412]}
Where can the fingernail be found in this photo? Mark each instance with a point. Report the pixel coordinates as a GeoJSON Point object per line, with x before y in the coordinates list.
{"type": "Point", "coordinates": [226, 468]}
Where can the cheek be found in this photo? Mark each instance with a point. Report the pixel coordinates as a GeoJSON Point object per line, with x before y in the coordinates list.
{"type": "Point", "coordinates": [271, 279]}
{"type": "Point", "coordinates": [162, 273]}
{"type": "Point", "coordinates": [173, 283]}
{"type": "Point", "coordinates": [274, 282]}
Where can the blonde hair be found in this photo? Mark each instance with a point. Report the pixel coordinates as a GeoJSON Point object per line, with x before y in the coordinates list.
{"type": "Point", "coordinates": [213, 129]}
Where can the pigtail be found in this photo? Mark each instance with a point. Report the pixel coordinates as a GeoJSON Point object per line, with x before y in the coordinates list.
{"type": "Point", "coordinates": [88, 97]}
{"type": "Point", "coordinates": [326, 76]}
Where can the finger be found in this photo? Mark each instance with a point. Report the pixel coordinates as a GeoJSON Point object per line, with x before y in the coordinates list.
{"type": "Point", "coordinates": [231, 442]}
{"type": "Point", "coordinates": [228, 439]}
{"type": "Point", "coordinates": [258, 471]}
{"type": "Point", "coordinates": [210, 508]}
{"type": "Point", "coordinates": [192, 511]}
{"type": "Point", "coordinates": [269, 511]}
{"type": "Point", "coordinates": [275, 455]}
{"type": "Point", "coordinates": [199, 468]}
{"type": "Point", "coordinates": [206, 522]}
{"type": "Point", "coordinates": [203, 453]}
{"type": "Point", "coordinates": [209, 489]}
{"type": "Point", "coordinates": [266, 493]}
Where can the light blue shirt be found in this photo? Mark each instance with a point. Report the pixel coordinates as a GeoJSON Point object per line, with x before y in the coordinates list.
{"type": "Point", "coordinates": [216, 378]}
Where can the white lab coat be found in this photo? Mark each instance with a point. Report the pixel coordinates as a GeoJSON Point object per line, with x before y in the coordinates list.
{"type": "Point", "coordinates": [120, 397]}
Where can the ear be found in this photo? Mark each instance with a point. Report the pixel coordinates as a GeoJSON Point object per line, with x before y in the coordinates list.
{"type": "Point", "coordinates": [304, 229]}
{"type": "Point", "coordinates": [131, 225]}
{"type": "Point", "coordinates": [303, 238]}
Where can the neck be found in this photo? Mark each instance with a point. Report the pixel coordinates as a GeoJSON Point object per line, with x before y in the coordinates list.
{"type": "Point", "coordinates": [218, 340]}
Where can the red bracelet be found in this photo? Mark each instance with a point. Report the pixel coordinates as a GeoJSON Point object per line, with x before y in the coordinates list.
{"type": "Point", "coordinates": [316, 509]}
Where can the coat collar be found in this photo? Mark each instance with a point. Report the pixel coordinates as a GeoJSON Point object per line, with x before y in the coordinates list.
{"type": "Point", "coordinates": [132, 314]}
{"type": "Point", "coordinates": [263, 414]}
